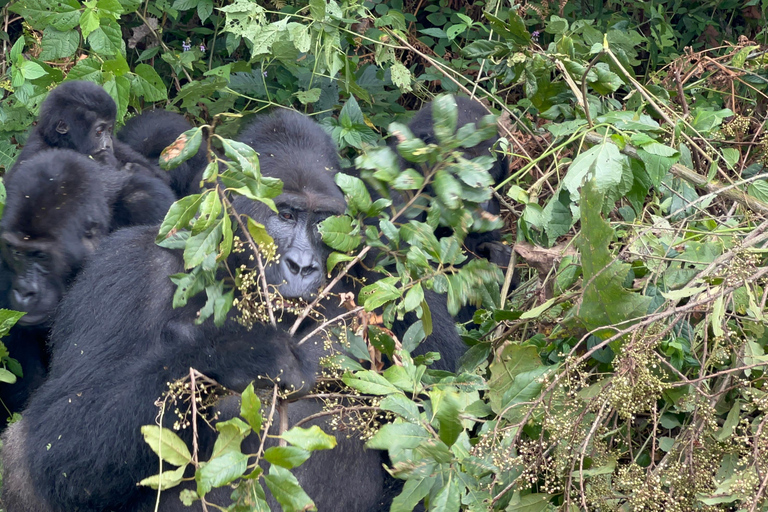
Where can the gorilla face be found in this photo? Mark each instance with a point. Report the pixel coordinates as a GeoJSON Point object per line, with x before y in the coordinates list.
{"type": "Point", "coordinates": [299, 271]}
{"type": "Point", "coordinates": [55, 216]}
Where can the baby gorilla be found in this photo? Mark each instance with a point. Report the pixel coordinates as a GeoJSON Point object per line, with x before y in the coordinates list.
{"type": "Point", "coordinates": [80, 116]}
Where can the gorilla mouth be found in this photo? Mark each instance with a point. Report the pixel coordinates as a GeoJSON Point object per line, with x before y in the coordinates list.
{"type": "Point", "coordinates": [33, 319]}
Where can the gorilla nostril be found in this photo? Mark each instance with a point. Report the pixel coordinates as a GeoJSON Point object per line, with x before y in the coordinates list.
{"type": "Point", "coordinates": [309, 269]}
{"type": "Point", "coordinates": [292, 266]}
{"type": "Point", "coordinates": [300, 264]}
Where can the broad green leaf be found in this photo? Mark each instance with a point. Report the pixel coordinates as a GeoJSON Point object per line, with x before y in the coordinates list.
{"type": "Point", "coordinates": [337, 232]}
{"type": "Point", "coordinates": [167, 445]}
{"type": "Point", "coordinates": [310, 439]}
{"type": "Point", "coordinates": [658, 160]}
{"type": "Point", "coordinates": [183, 148]}
{"type": "Point", "coordinates": [448, 499]}
{"type": "Point", "coordinates": [358, 198]}
{"type": "Point", "coordinates": [379, 293]}
{"type": "Point", "coordinates": [165, 480]}
{"type": "Point", "coordinates": [250, 408]}
{"type": "Point", "coordinates": [401, 405]}
{"type": "Point", "coordinates": [220, 471]}
{"type": "Point", "coordinates": [308, 97]}
{"type": "Point", "coordinates": [231, 434]}
{"type": "Point", "coordinates": [148, 84]}
{"type": "Point", "coordinates": [201, 245]}
{"type": "Point", "coordinates": [287, 491]}
{"type": "Point", "coordinates": [59, 44]}
{"type": "Point", "coordinates": [398, 436]}
{"type": "Point", "coordinates": [446, 406]}
{"type": "Point", "coordinates": [414, 490]}
{"type": "Point", "coordinates": [603, 163]}
{"type": "Point", "coordinates": [531, 503]}
{"type": "Point", "coordinates": [7, 377]}
{"type": "Point", "coordinates": [513, 360]}
{"type": "Point", "coordinates": [107, 39]}
{"type": "Point", "coordinates": [369, 382]}
{"type": "Point", "coordinates": [89, 19]}
{"type": "Point", "coordinates": [288, 457]}
{"type": "Point", "coordinates": [179, 215]}
{"type": "Point", "coordinates": [8, 319]}
{"type": "Point", "coordinates": [61, 15]}
{"type": "Point", "coordinates": [445, 115]}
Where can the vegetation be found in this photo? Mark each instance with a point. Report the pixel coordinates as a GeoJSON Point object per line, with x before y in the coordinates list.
{"type": "Point", "coordinates": [627, 372]}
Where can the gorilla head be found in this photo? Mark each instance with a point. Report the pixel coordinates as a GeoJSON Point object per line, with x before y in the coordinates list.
{"type": "Point", "coordinates": [57, 211]}
{"type": "Point", "coordinates": [79, 116]}
{"type": "Point", "coordinates": [296, 150]}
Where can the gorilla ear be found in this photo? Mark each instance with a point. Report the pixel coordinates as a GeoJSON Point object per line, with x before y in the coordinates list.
{"type": "Point", "coordinates": [62, 127]}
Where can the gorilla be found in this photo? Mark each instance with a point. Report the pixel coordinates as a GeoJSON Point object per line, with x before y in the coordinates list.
{"type": "Point", "coordinates": [117, 342]}
{"type": "Point", "coordinates": [80, 116]}
{"type": "Point", "coordinates": [488, 244]}
{"type": "Point", "coordinates": [151, 132]}
{"type": "Point", "coordinates": [56, 213]}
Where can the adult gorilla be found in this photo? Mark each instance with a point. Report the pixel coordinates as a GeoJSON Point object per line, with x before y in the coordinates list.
{"type": "Point", "coordinates": [487, 245]}
{"type": "Point", "coordinates": [117, 342]}
{"type": "Point", "coordinates": [80, 116]}
{"type": "Point", "coordinates": [151, 132]}
{"type": "Point", "coordinates": [56, 213]}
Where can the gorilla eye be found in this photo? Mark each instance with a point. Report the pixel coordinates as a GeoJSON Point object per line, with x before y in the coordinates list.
{"type": "Point", "coordinates": [286, 215]}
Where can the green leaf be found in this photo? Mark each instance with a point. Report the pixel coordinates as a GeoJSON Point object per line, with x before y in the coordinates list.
{"type": "Point", "coordinates": [201, 245]}
{"type": "Point", "coordinates": [310, 439]}
{"type": "Point", "coordinates": [32, 70]}
{"type": "Point", "coordinates": [369, 382]}
{"type": "Point", "coordinates": [337, 233]}
{"type": "Point", "coordinates": [401, 405]}
{"type": "Point", "coordinates": [448, 189]}
{"type": "Point", "coordinates": [107, 39]}
{"type": "Point", "coordinates": [231, 434]}
{"type": "Point", "coordinates": [288, 457]}
{"type": "Point", "coordinates": [658, 160]}
{"type": "Point", "coordinates": [414, 297]}
{"type": "Point", "coordinates": [379, 293]}
{"type": "Point", "coordinates": [59, 44]}
{"type": "Point", "coordinates": [513, 360]}
{"type": "Point", "coordinates": [179, 215]}
{"type": "Point", "coordinates": [61, 15]}
{"type": "Point", "coordinates": [250, 408]}
{"type": "Point", "coordinates": [89, 20]}
{"type": "Point", "coordinates": [317, 9]}
{"type": "Point", "coordinates": [148, 84]}
{"type": "Point", "coordinates": [183, 148]}
{"type": "Point", "coordinates": [603, 163]}
{"type": "Point", "coordinates": [414, 490]}
{"type": "Point", "coordinates": [8, 319]}
{"type": "Point", "coordinates": [401, 76]}
{"type": "Point", "coordinates": [220, 471]}
{"type": "Point", "coordinates": [445, 115]}
{"type": "Point", "coordinates": [308, 97]}
{"type": "Point", "coordinates": [287, 491]}
{"type": "Point", "coordinates": [531, 503]}
{"type": "Point", "coordinates": [165, 480]}
{"type": "Point", "coordinates": [356, 193]}
{"type": "Point", "coordinates": [446, 405]}
{"type": "Point", "coordinates": [605, 300]}
{"type": "Point", "coordinates": [7, 376]}
{"type": "Point", "coordinates": [398, 436]}
{"type": "Point", "coordinates": [88, 69]}
{"type": "Point", "coordinates": [167, 445]}
{"type": "Point", "coordinates": [335, 258]}
{"type": "Point", "coordinates": [448, 499]}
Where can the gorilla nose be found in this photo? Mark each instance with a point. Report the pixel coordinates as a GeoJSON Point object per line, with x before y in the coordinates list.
{"type": "Point", "coordinates": [23, 298]}
{"type": "Point", "coordinates": [300, 263]}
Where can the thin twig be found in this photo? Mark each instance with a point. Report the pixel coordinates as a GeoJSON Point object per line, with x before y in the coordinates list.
{"type": "Point", "coordinates": [257, 254]}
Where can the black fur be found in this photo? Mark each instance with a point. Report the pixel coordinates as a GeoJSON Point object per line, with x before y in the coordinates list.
{"type": "Point", "coordinates": [151, 132]}
{"type": "Point", "coordinates": [56, 213]}
{"type": "Point", "coordinates": [80, 116]}
{"type": "Point", "coordinates": [117, 342]}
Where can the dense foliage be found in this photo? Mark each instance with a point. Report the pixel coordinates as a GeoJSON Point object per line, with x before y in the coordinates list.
{"type": "Point", "coordinates": [627, 372]}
